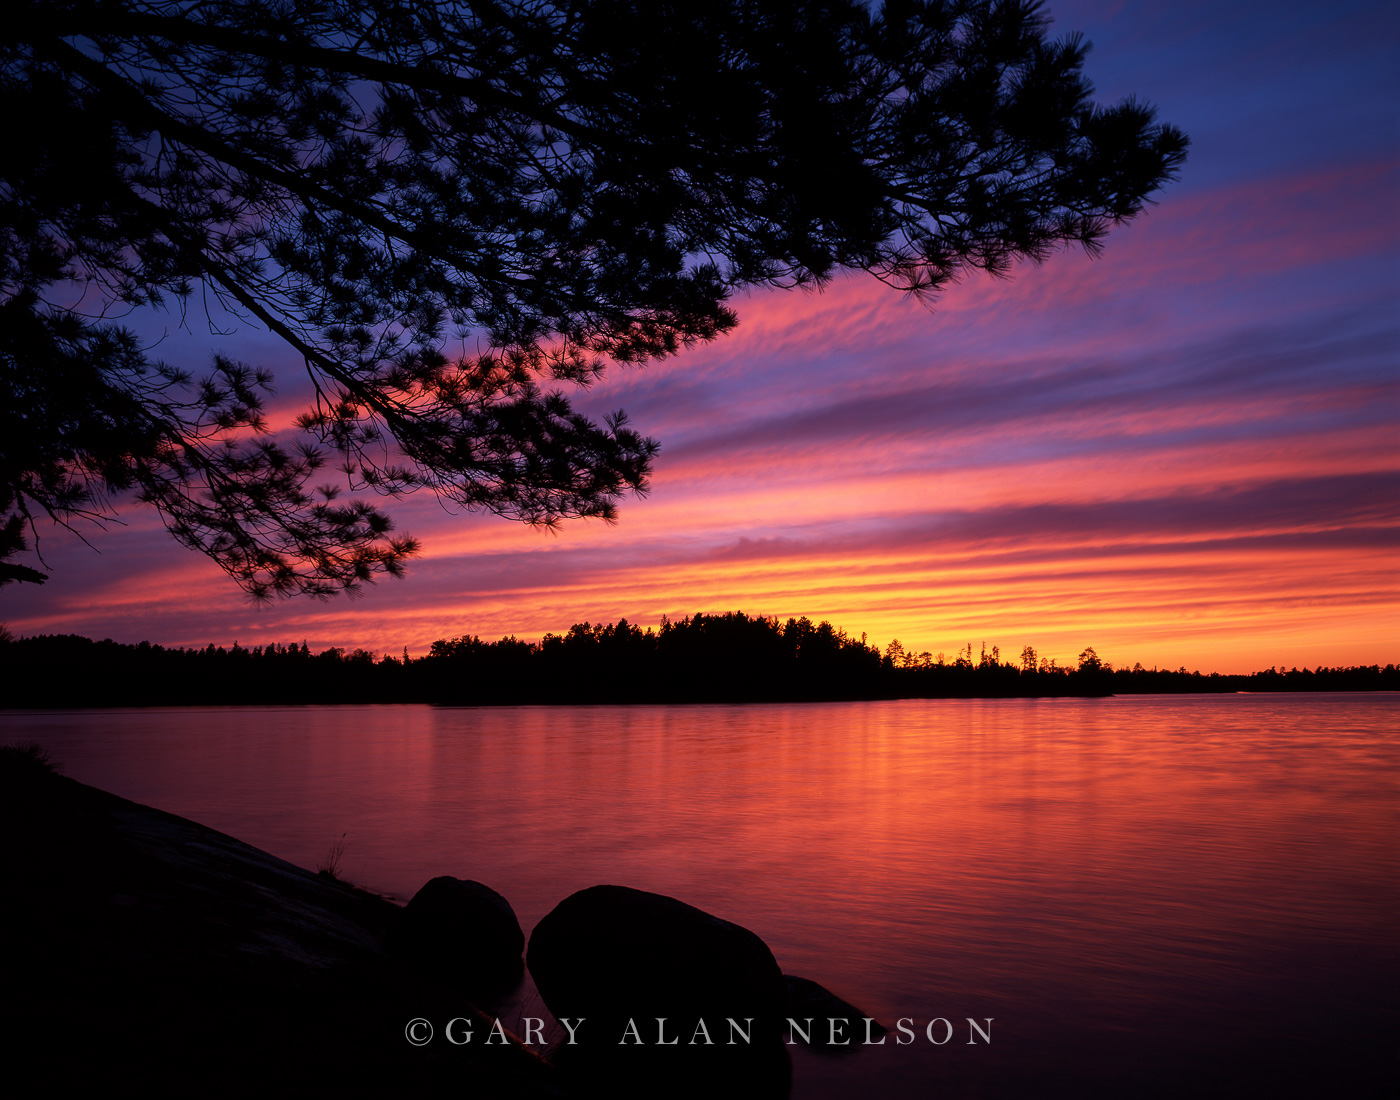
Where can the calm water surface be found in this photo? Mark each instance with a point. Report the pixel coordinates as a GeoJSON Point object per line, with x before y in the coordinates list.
{"type": "Point", "coordinates": [1148, 895]}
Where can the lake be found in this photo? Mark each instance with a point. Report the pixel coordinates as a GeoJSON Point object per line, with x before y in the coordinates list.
{"type": "Point", "coordinates": [1147, 895]}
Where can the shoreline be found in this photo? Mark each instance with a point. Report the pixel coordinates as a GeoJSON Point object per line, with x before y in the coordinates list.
{"type": "Point", "coordinates": [39, 708]}
{"type": "Point", "coordinates": [146, 949]}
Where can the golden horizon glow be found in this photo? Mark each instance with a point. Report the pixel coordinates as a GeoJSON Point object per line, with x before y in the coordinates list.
{"type": "Point", "coordinates": [1144, 453]}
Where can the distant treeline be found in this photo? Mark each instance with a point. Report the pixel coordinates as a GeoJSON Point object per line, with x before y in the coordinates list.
{"type": "Point", "coordinates": [705, 658]}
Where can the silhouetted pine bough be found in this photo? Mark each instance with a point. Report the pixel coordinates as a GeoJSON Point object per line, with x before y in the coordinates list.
{"type": "Point", "coordinates": [730, 658]}
{"type": "Point", "coordinates": [553, 188]}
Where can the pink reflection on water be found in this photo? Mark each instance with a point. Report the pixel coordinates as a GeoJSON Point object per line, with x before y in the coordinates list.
{"type": "Point", "coordinates": [1119, 883]}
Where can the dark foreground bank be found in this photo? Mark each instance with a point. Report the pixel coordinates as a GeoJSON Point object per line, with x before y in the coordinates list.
{"type": "Point", "coordinates": [147, 955]}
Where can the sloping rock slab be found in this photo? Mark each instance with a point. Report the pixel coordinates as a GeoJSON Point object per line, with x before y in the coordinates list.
{"type": "Point", "coordinates": [145, 954]}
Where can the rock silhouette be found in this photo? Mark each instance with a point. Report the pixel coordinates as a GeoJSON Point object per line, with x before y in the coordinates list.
{"type": "Point", "coordinates": [656, 983]}
{"type": "Point", "coordinates": [465, 931]}
{"type": "Point", "coordinates": [152, 954]}
{"type": "Point", "coordinates": [810, 1001]}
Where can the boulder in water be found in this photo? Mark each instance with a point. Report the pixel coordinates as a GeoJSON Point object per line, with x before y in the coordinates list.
{"type": "Point", "coordinates": [611, 954]}
{"type": "Point", "coordinates": [465, 930]}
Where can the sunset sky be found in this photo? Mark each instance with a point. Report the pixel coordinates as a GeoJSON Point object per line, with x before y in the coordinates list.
{"type": "Point", "coordinates": [1183, 452]}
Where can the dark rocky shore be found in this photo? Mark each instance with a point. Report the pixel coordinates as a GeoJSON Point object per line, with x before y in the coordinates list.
{"type": "Point", "coordinates": [149, 955]}
{"type": "Point", "coordinates": [145, 954]}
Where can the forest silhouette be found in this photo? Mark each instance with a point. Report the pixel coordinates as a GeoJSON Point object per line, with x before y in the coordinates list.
{"type": "Point", "coordinates": [723, 658]}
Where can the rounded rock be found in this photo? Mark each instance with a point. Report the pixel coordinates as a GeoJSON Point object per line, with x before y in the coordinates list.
{"type": "Point", "coordinates": [612, 954]}
{"type": "Point", "coordinates": [465, 929]}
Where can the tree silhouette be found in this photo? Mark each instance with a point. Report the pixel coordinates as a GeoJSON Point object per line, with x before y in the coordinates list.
{"type": "Point", "coordinates": [11, 543]}
{"type": "Point", "coordinates": [552, 187]}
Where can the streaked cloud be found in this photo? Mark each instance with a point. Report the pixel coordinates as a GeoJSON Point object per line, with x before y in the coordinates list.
{"type": "Point", "coordinates": [1183, 452]}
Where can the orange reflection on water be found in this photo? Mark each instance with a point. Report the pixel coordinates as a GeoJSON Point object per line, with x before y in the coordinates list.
{"type": "Point", "coordinates": [1140, 891]}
